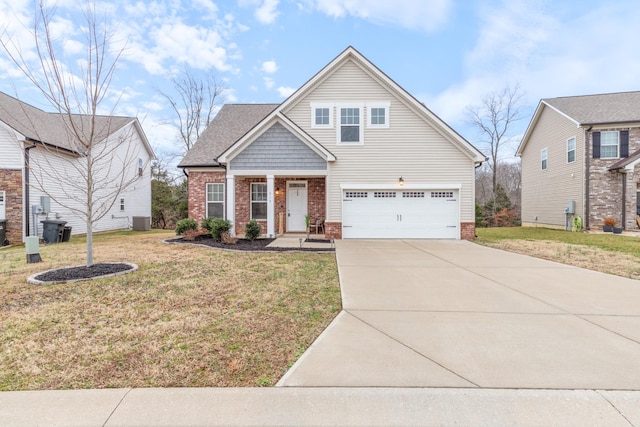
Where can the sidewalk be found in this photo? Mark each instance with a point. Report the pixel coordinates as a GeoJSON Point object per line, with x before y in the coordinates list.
{"type": "Point", "coordinates": [318, 407]}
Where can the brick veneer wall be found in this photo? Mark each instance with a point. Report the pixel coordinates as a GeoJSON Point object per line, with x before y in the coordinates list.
{"type": "Point", "coordinates": [468, 230]}
{"type": "Point", "coordinates": [12, 184]}
{"type": "Point", "coordinates": [197, 191]}
{"type": "Point", "coordinates": [605, 187]}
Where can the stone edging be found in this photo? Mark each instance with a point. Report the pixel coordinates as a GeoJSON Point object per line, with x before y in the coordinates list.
{"type": "Point", "coordinates": [32, 279]}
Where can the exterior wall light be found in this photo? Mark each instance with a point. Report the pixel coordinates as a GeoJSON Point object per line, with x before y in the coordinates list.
{"type": "Point", "coordinates": [401, 182]}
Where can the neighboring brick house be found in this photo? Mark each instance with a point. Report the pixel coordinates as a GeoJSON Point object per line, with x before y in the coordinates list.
{"type": "Point", "coordinates": [350, 147]}
{"type": "Point", "coordinates": [38, 159]}
{"type": "Point", "coordinates": [582, 151]}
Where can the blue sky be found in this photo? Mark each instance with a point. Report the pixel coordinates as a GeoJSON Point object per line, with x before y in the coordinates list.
{"type": "Point", "coordinates": [446, 53]}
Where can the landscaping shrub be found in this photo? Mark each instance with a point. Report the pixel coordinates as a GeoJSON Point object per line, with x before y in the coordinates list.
{"type": "Point", "coordinates": [216, 226]}
{"type": "Point", "coordinates": [252, 230]}
{"type": "Point", "coordinates": [186, 224]}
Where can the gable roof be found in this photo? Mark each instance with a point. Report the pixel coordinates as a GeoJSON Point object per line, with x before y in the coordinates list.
{"type": "Point", "coordinates": [231, 123]}
{"type": "Point", "coordinates": [589, 110]}
{"type": "Point", "coordinates": [235, 121]}
{"type": "Point", "coordinates": [53, 128]}
{"type": "Point", "coordinates": [350, 53]}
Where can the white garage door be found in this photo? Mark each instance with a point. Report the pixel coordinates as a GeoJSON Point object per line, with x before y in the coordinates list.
{"type": "Point", "coordinates": [404, 214]}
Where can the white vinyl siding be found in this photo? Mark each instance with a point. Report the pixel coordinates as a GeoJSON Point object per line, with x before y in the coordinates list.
{"type": "Point", "coordinates": [609, 143]}
{"type": "Point", "coordinates": [414, 150]}
{"type": "Point", "coordinates": [10, 150]}
{"type": "Point", "coordinates": [545, 194]}
{"type": "Point", "coordinates": [571, 149]}
{"type": "Point", "coordinates": [61, 178]}
{"type": "Point", "coordinates": [215, 200]}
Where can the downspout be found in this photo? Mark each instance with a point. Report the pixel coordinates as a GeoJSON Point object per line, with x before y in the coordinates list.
{"type": "Point", "coordinates": [587, 195]}
{"type": "Point", "coordinates": [624, 200]}
{"type": "Point", "coordinates": [27, 209]}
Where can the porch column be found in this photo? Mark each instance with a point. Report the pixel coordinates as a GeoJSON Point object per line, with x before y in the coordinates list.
{"type": "Point", "coordinates": [231, 203]}
{"type": "Point", "coordinates": [271, 220]}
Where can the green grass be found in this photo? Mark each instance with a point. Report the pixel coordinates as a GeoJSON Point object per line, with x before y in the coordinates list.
{"type": "Point", "coordinates": [605, 241]}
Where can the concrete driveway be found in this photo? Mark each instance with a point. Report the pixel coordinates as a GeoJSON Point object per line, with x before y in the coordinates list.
{"type": "Point", "coordinates": [438, 313]}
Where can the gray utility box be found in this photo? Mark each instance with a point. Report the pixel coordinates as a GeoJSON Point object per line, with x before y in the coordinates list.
{"type": "Point", "coordinates": [3, 232]}
{"type": "Point", "coordinates": [52, 230]}
{"type": "Point", "coordinates": [141, 223]}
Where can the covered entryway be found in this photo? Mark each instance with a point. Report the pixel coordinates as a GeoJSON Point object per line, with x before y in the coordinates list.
{"type": "Point", "coordinates": [407, 213]}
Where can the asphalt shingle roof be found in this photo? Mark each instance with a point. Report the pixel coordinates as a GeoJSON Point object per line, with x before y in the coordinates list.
{"type": "Point", "coordinates": [231, 123]}
{"type": "Point", "coordinates": [620, 107]}
{"type": "Point", "coordinates": [54, 128]}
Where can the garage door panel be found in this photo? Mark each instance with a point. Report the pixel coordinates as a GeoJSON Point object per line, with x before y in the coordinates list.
{"type": "Point", "coordinates": [401, 214]}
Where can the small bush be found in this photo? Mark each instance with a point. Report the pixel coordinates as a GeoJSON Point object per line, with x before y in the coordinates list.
{"type": "Point", "coordinates": [216, 226]}
{"type": "Point", "coordinates": [186, 224]}
{"type": "Point", "coordinates": [610, 221]}
{"type": "Point", "coordinates": [252, 230]}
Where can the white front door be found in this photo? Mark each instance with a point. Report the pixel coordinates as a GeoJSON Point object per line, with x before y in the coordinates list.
{"type": "Point", "coordinates": [296, 205]}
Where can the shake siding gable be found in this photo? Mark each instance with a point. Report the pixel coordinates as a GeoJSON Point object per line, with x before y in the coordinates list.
{"type": "Point", "coordinates": [277, 149]}
{"type": "Point", "coordinates": [545, 194]}
{"type": "Point", "coordinates": [411, 147]}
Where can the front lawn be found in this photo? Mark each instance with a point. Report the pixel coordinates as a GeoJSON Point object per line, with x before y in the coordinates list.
{"type": "Point", "coordinates": [606, 252]}
{"type": "Point", "coordinates": [189, 317]}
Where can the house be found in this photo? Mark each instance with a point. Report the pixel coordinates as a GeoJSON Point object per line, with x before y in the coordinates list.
{"type": "Point", "coordinates": [580, 157]}
{"type": "Point", "coordinates": [41, 170]}
{"type": "Point", "coordinates": [350, 147]}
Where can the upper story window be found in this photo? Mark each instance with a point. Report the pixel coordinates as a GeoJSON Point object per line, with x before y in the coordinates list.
{"type": "Point", "coordinates": [215, 200]}
{"type": "Point", "coordinates": [544, 159]}
{"type": "Point", "coordinates": [140, 167]}
{"type": "Point", "coordinates": [321, 116]}
{"type": "Point", "coordinates": [350, 128]}
{"type": "Point", "coordinates": [378, 115]}
{"type": "Point", "coordinates": [122, 205]}
{"type": "Point", "coordinates": [571, 150]}
{"type": "Point", "coordinates": [258, 200]}
{"type": "Point", "coordinates": [609, 145]}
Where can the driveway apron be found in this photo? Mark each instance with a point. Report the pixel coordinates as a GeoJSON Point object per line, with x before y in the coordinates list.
{"type": "Point", "coordinates": [450, 313]}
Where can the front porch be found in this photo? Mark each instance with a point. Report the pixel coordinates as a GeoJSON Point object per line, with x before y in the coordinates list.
{"type": "Point", "coordinates": [278, 203]}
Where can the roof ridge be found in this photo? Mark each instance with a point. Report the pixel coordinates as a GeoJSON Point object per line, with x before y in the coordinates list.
{"type": "Point", "coordinates": [594, 94]}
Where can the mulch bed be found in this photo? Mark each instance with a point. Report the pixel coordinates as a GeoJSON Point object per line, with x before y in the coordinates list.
{"type": "Point", "coordinates": [246, 245]}
{"type": "Point", "coordinates": [83, 272]}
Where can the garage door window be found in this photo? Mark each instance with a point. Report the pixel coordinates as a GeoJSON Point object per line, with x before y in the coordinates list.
{"type": "Point", "coordinates": [384, 194]}
{"type": "Point", "coordinates": [442, 194]}
{"type": "Point", "coordinates": [412, 194]}
{"type": "Point", "coordinates": [356, 194]}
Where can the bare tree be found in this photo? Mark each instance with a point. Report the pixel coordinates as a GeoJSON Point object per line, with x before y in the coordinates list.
{"type": "Point", "coordinates": [493, 118]}
{"type": "Point", "coordinates": [194, 104]}
{"type": "Point", "coordinates": [97, 173]}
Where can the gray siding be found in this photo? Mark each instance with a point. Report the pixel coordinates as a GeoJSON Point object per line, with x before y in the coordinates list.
{"type": "Point", "coordinates": [278, 149]}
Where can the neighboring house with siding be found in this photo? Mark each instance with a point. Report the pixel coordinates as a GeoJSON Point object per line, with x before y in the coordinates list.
{"type": "Point", "coordinates": [39, 158]}
{"type": "Point", "coordinates": [582, 151]}
{"type": "Point", "coordinates": [350, 147]}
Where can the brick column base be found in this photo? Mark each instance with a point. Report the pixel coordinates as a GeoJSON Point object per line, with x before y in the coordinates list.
{"type": "Point", "coordinates": [468, 230]}
{"type": "Point", "coordinates": [333, 229]}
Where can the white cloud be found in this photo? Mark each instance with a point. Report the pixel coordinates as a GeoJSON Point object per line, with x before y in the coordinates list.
{"type": "Point", "coordinates": [285, 92]}
{"type": "Point", "coordinates": [269, 67]}
{"type": "Point", "coordinates": [268, 11]}
{"type": "Point", "coordinates": [425, 15]}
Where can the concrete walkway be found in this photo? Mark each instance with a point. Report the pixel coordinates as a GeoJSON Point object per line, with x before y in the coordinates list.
{"type": "Point", "coordinates": [432, 333]}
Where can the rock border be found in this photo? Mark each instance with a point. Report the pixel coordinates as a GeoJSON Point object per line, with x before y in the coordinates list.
{"type": "Point", "coordinates": [32, 279]}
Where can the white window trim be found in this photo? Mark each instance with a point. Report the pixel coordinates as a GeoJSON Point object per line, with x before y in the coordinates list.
{"type": "Point", "coordinates": [575, 151]}
{"type": "Point", "coordinates": [314, 107]}
{"type": "Point", "coordinates": [360, 108]}
{"type": "Point", "coordinates": [251, 202]}
{"type": "Point", "coordinates": [372, 105]}
{"type": "Point", "coordinates": [617, 156]}
{"type": "Point", "coordinates": [207, 201]}
{"type": "Point", "coordinates": [544, 159]}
